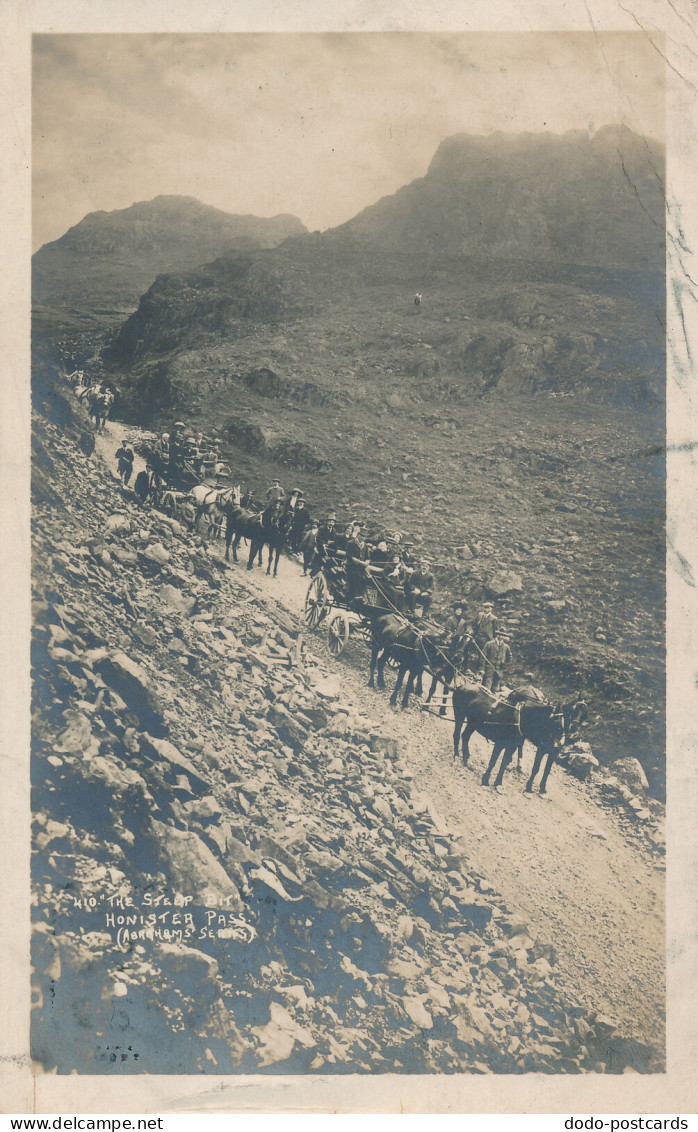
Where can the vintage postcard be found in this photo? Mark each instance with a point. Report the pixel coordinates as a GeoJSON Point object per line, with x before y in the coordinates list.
{"type": "Point", "coordinates": [354, 769]}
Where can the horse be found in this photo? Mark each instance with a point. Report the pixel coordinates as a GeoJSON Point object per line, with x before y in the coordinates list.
{"type": "Point", "coordinates": [272, 533]}
{"type": "Point", "coordinates": [456, 661]}
{"type": "Point", "coordinates": [210, 502]}
{"type": "Point", "coordinates": [527, 694]}
{"type": "Point", "coordinates": [574, 715]}
{"type": "Point", "coordinates": [393, 637]}
{"type": "Point", "coordinates": [99, 407]}
{"type": "Point", "coordinates": [239, 524]}
{"type": "Point", "coordinates": [507, 725]}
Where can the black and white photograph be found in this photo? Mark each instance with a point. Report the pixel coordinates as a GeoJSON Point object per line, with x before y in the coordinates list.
{"type": "Point", "coordinates": [349, 564]}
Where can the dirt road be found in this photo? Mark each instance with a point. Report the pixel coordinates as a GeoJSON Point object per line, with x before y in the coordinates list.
{"type": "Point", "coordinates": [581, 880]}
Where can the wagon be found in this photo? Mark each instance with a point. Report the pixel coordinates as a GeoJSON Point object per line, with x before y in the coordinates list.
{"type": "Point", "coordinates": [176, 504]}
{"type": "Point", "coordinates": [326, 602]}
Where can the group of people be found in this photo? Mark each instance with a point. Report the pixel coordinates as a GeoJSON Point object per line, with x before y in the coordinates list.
{"type": "Point", "coordinates": [184, 459]}
{"type": "Point", "coordinates": [405, 584]}
{"type": "Point", "coordinates": [349, 559]}
{"type": "Point", "coordinates": [479, 646]}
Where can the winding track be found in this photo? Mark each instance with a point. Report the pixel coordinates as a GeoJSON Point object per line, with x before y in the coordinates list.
{"type": "Point", "coordinates": [567, 864]}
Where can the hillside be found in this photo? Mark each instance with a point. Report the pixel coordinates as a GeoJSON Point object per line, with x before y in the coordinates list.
{"type": "Point", "coordinates": [512, 421]}
{"type": "Point", "coordinates": [241, 863]}
{"type": "Point", "coordinates": [95, 273]}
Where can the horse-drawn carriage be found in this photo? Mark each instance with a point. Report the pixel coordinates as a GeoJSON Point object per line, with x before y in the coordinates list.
{"type": "Point", "coordinates": [186, 497]}
{"type": "Point", "coordinates": [328, 600]}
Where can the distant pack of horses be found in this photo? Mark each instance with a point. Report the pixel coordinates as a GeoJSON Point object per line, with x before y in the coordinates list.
{"type": "Point", "coordinates": [99, 402]}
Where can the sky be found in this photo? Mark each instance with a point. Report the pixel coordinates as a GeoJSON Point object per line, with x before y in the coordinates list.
{"type": "Point", "coordinates": [316, 125]}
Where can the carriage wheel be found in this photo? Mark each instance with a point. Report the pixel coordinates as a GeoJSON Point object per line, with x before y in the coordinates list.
{"type": "Point", "coordinates": [169, 504]}
{"type": "Point", "coordinates": [338, 633]}
{"type": "Point", "coordinates": [316, 603]}
{"type": "Point", "coordinates": [392, 662]}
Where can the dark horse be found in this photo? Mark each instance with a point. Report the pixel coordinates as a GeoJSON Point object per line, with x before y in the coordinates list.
{"type": "Point", "coordinates": [455, 661]}
{"type": "Point", "coordinates": [240, 523]}
{"type": "Point", "coordinates": [574, 715]}
{"type": "Point", "coordinates": [260, 530]}
{"type": "Point", "coordinates": [273, 533]}
{"type": "Point", "coordinates": [100, 405]}
{"type": "Point", "coordinates": [508, 725]}
{"type": "Point", "coordinates": [393, 637]}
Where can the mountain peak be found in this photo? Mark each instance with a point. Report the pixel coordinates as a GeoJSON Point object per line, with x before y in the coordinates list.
{"type": "Point", "coordinates": [566, 198]}
{"type": "Point", "coordinates": [109, 259]}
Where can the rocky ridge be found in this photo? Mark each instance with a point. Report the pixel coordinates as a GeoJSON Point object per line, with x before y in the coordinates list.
{"type": "Point", "coordinates": [188, 748]}
{"type": "Point", "coordinates": [571, 198]}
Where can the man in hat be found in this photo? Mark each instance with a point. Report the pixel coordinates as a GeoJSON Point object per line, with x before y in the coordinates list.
{"type": "Point", "coordinates": [459, 636]}
{"type": "Point", "coordinates": [419, 587]}
{"type": "Point", "coordinates": [327, 534]}
{"type": "Point", "coordinates": [300, 520]}
{"type": "Point", "coordinates": [324, 543]}
{"type": "Point", "coordinates": [275, 492]}
{"type": "Point", "coordinates": [293, 498]}
{"type": "Point", "coordinates": [485, 628]}
{"type": "Point", "coordinates": [456, 624]}
{"type": "Point", "coordinates": [124, 457]}
{"type": "Point", "coordinates": [393, 583]}
{"type": "Point", "coordinates": [143, 483]}
{"type": "Point", "coordinates": [379, 556]}
{"type": "Point", "coordinates": [176, 454]}
{"type": "Point", "coordinates": [394, 541]}
{"type": "Point", "coordinates": [497, 655]}
{"type": "Point", "coordinates": [528, 691]}
{"type": "Point", "coordinates": [356, 562]}
{"type": "Point", "coordinates": [308, 545]}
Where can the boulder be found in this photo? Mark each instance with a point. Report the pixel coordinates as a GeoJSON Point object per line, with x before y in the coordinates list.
{"type": "Point", "coordinates": [118, 524]}
{"type": "Point", "coordinates": [130, 681]}
{"type": "Point", "coordinates": [630, 772]}
{"type": "Point", "coordinates": [581, 762]}
{"type": "Point", "coordinates": [161, 749]}
{"type": "Point", "coordinates": [173, 599]}
{"type": "Point", "coordinates": [330, 688]}
{"type": "Point", "coordinates": [504, 582]}
{"type": "Point", "coordinates": [188, 962]}
{"type": "Point", "coordinates": [76, 737]}
{"type": "Point", "coordinates": [385, 745]}
{"type": "Point", "coordinates": [155, 552]}
{"type": "Point", "coordinates": [193, 870]}
{"type": "Point", "coordinates": [417, 1011]}
{"type": "Point", "coordinates": [277, 1039]}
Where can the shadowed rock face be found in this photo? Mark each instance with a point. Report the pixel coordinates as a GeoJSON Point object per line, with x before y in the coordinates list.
{"type": "Point", "coordinates": [569, 199]}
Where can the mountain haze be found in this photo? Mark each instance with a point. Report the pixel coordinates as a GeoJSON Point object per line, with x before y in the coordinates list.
{"type": "Point", "coordinates": [106, 262]}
